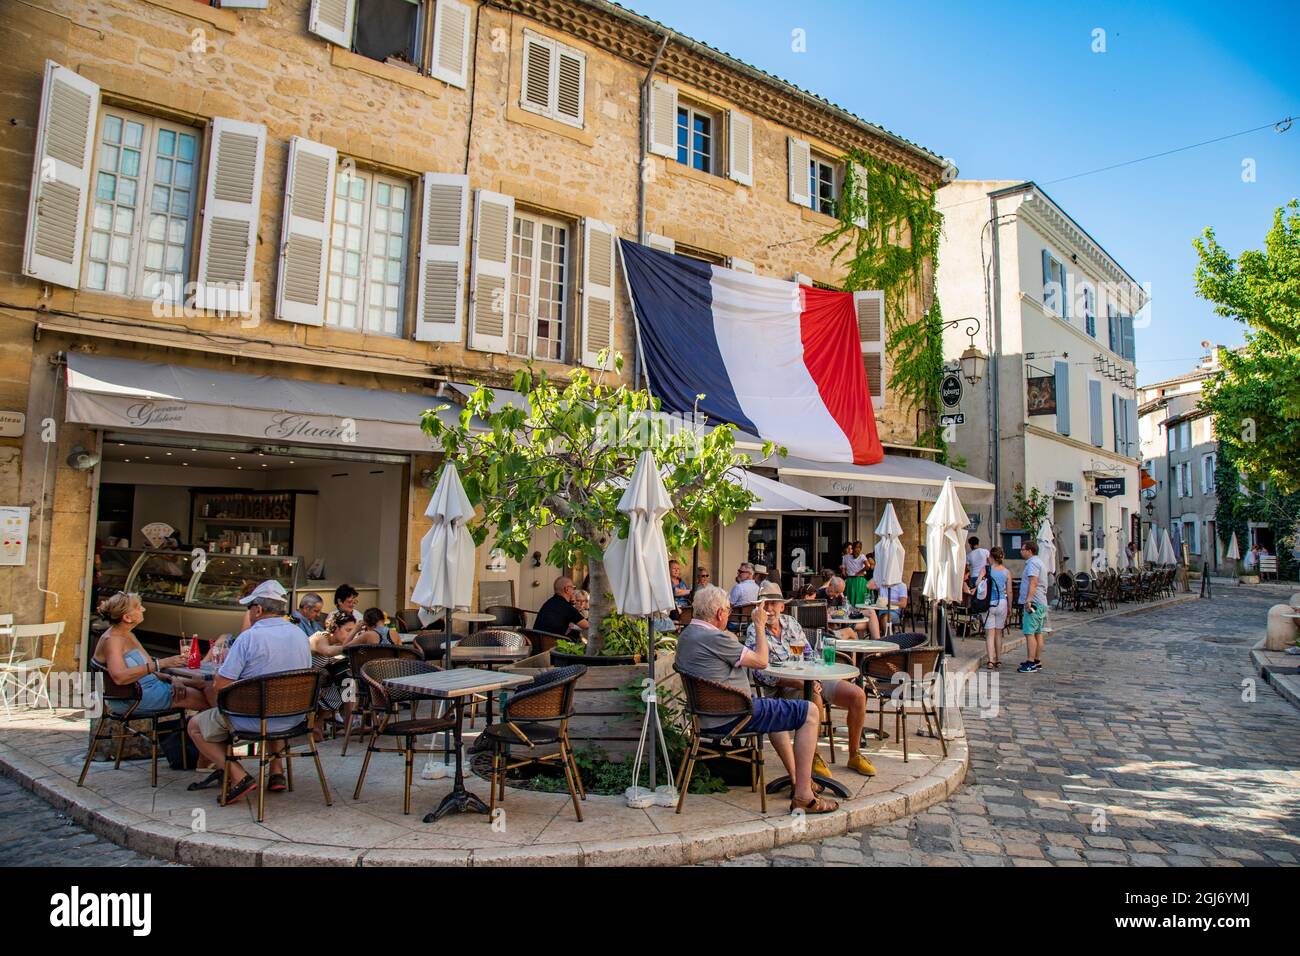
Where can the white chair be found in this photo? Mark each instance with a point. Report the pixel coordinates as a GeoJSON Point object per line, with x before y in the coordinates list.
{"type": "Point", "coordinates": [1268, 566]}
{"type": "Point", "coordinates": [22, 663]}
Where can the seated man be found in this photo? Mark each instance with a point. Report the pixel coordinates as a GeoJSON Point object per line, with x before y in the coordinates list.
{"type": "Point", "coordinates": [559, 612]}
{"type": "Point", "coordinates": [895, 595]}
{"type": "Point", "coordinates": [745, 590]}
{"type": "Point", "coordinates": [706, 650]}
{"type": "Point", "coordinates": [782, 631]}
{"type": "Point", "coordinates": [272, 645]}
{"type": "Point", "coordinates": [308, 613]}
{"type": "Point", "coordinates": [833, 595]}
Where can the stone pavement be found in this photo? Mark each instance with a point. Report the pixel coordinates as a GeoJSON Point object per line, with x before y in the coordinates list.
{"type": "Point", "coordinates": [1133, 746]}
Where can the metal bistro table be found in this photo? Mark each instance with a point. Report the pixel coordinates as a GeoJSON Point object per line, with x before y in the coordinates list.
{"type": "Point", "coordinates": [810, 672]}
{"type": "Point", "coordinates": [205, 671]}
{"type": "Point", "coordinates": [489, 657]}
{"type": "Point", "coordinates": [457, 685]}
{"type": "Point", "coordinates": [867, 648]}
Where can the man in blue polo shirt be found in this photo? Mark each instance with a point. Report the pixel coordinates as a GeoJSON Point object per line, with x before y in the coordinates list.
{"type": "Point", "coordinates": [1033, 596]}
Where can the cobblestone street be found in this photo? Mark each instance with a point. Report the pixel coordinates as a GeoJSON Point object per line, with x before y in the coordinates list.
{"type": "Point", "coordinates": [1132, 747]}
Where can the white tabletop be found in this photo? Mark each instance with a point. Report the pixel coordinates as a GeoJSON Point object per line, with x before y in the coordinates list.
{"type": "Point", "coordinates": [813, 670]}
{"type": "Point", "coordinates": [489, 653]}
{"type": "Point", "coordinates": [473, 616]}
{"type": "Point", "coordinates": [460, 682]}
{"type": "Point", "coordinates": [865, 647]}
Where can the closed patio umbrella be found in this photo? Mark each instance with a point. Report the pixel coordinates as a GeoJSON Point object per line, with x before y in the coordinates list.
{"type": "Point", "coordinates": [638, 575]}
{"type": "Point", "coordinates": [1167, 549]}
{"type": "Point", "coordinates": [1234, 555]}
{"type": "Point", "coordinates": [945, 571]}
{"type": "Point", "coordinates": [889, 549]}
{"type": "Point", "coordinates": [1151, 554]}
{"type": "Point", "coordinates": [1047, 547]}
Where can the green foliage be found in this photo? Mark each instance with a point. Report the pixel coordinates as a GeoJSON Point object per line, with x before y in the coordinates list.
{"type": "Point", "coordinates": [624, 636]}
{"type": "Point", "coordinates": [1281, 511]}
{"type": "Point", "coordinates": [897, 252]}
{"type": "Point", "coordinates": [1031, 508]}
{"type": "Point", "coordinates": [1255, 400]}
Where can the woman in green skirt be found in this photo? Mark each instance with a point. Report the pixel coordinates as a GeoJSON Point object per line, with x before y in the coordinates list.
{"type": "Point", "coordinates": [855, 582]}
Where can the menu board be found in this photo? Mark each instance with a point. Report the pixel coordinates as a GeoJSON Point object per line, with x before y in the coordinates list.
{"type": "Point", "coordinates": [14, 523]}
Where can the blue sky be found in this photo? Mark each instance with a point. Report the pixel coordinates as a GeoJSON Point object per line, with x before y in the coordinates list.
{"type": "Point", "coordinates": [1015, 91]}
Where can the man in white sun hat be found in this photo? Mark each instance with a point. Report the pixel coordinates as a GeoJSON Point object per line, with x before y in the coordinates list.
{"type": "Point", "coordinates": [272, 644]}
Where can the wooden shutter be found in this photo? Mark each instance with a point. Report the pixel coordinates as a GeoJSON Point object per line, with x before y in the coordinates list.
{"type": "Point", "coordinates": [1118, 422]}
{"type": "Point", "coordinates": [440, 302]}
{"type": "Point", "coordinates": [451, 43]}
{"type": "Point", "coordinates": [333, 20]}
{"type": "Point", "coordinates": [535, 86]}
{"type": "Point", "coordinates": [1131, 430]}
{"type": "Point", "coordinates": [230, 207]}
{"type": "Point", "coordinates": [1112, 328]}
{"type": "Point", "coordinates": [871, 335]}
{"type": "Point", "coordinates": [56, 205]}
{"type": "Point", "coordinates": [1049, 293]}
{"type": "Point", "coordinates": [1097, 428]}
{"type": "Point", "coordinates": [305, 234]}
{"type": "Point", "coordinates": [570, 85]}
{"type": "Point", "coordinates": [740, 147]}
{"type": "Point", "coordinates": [1065, 293]}
{"type": "Point", "coordinates": [494, 216]}
{"type": "Point", "coordinates": [598, 240]}
{"type": "Point", "coordinates": [860, 182]}
{"type": "Point", "coordinates": [800, 182]}
{"type": "Point", "coordinates": [1128, 346]}
{"type": "Point", "coordinates": [1062, 397]}
{"type": "Point", "coordinates": [662, 243]}
{"type": "Point", "coordinates": [740, 265]}
{"type": "Point", "coordinates": [662, 131]}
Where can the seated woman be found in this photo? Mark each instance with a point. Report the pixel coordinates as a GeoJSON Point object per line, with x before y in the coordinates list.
{"type": "Point", "coordinates": [127, 662]}
{"type": "Point", "coordinates": [340, 631]}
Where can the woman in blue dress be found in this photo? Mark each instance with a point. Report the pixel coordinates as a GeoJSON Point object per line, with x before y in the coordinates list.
{"type": "Point", "coordinates": [127, 662]}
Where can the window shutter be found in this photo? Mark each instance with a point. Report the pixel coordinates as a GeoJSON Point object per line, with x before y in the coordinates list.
{"type": "Point", "coordinates": [244, 4]}
{"type": "Point", "coordinates": [1118, 422]}
{"type": "Point", "coordinates": [451, 42]}
{"type": "Point", "coordinates": [662, 243]}
{"type": "Point", "coordinates": [1131, 430]}
{"type": "Point", "coordinates": [570, 85]}
{"type": "Point", "coordinates": [1127, 344]}
{"type": "Point", "coordinates": [333, 20]}
{"type": "Point", "coordinates": [440, 304]}
{"type": "Point", "coordinates": [800, 182]}
{"type": "Point", "coordinates": [662, 133]}
{"type": "Point", "coordinates": [1094, 412]}
{"type": "Point", "coordinates": [230, 207]}
{"type": "Point", "coordinates": [870, 307]}
{"type": "Point", "coordinates": [1049, 294]}
{"type": "Point", "coordinates": [1112, 328]}
{"type": "Point", "coordinates": [1065, 294]}
{"type": "Point", "coordinates": [1062, 397]}
{"type": "Point", "coordinates": [860, 184]}
{"type": "Point", "coordinates": [740, 148]}
{"type": "Point", "coordinates": [56, 206]}
{"type": "Point", "coordinates": [802, 279]}
{"type": "Point", "coordinates": [305, 233]}
{"type": "Point", "coordinates": [741, 265]}
{"type": "Point", "coordinates": [598, 241]}
{"type": "Point", "coordinates": [535, 92]}
{"type": "Point", "coordinates": [494, 216]}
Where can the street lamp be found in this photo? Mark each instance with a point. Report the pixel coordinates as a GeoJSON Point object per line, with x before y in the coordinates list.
{"type": "Point", "coordinates": [972, 360]}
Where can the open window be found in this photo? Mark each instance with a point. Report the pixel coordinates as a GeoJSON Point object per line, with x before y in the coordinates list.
{"type": "Point", "coordinates": [698, 143]}
{"type": "Point", "coordinates": [369, 251]}
{"type": "Point", "coordinates": [541, 261]}
{"type": "Point", "coordinates": [825, 183]}
{"type": "Point", "coordinates": [424, 35]}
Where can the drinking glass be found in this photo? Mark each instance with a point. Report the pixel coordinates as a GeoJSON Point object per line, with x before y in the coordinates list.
{"type": "Point", "coordinates": [185, 647]}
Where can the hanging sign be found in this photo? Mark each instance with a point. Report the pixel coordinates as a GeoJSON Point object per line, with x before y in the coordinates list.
{"type": "Point", "coordinates": [950, 390]}
{"type": "Point", "coordinates": [1041, 395]}
{"type": "Point", "coordinates": [1109, 487]}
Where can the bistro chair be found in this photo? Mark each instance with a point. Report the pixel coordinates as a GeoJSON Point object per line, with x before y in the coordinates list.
{"type": "Point", "coordinates": [121, 729]}
{"type": "Point", "coordinates": [811, 615]}
{"type": "Point", "coordinates": [23, 664]}
{"type": "Point", "coordinates": [920, 665]}
{"type": "Point", "coordinates": [918, 605]}
{"type": "Point", "coordinates": [506, 616]}
{"type": "Point", "coordinates": [359, 655]}
{"type": "Point", "coordinates": [720, 703]}
{"type": "Point", "coordinates": [491, 637]}
{"type": "Point", "coordinates": [541, 640]}
{"type": "Point", "coordinates": [1086, 595]}
{"type": "Point", "coordinates": [290, 695]}
{"type": "Point", "coordinates": [386, 708]}
{"type": "Point", "coordinates": [1064, 590]}
{"type": "Point", "coordinates": [537, 715]}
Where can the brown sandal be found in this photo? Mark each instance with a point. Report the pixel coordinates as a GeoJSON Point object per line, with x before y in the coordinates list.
{"type": "Point", "coordinates": [815, 805]}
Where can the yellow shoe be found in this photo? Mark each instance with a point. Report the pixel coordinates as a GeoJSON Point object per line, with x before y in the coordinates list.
{"type": "Point", "coordinates": [862, 765]}
{"type": "Point", "coordinates": [819, 767]}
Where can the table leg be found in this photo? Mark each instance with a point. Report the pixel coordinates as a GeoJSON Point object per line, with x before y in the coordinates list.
{"type": "Point", "coordinates": [460, 799]}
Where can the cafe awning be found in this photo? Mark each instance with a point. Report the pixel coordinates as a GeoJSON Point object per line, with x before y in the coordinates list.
{"type": "Point", "coordinates": [122, 393]}
{"type": "Point", "coordinates": [898, 476]}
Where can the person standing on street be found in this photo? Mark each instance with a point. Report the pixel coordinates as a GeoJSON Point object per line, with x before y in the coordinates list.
{"type": "Point", "coordinates": [1033, 595]}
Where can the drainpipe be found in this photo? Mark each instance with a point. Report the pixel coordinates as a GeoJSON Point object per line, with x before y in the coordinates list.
{"type": "Point", "coordinates": [994, 349]}
{"type": "Point", "coordinates": [640, 171]}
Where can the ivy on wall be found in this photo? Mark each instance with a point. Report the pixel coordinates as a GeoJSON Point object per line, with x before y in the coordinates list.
{"type": "Point", "coordinates": [1235, 510]}
{"type": "Point", "coordinates": [891, 254]}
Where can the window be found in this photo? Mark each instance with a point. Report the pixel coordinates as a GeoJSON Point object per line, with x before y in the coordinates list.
{"type": "Point", "coordinates": [1190, 537]}
{"type": "Point", "coordinates": [696, 144]}
{"type": "Point", "coordinates": [692, 252]}
{"type": "Point", "coordinates": [1183, 474]}
{"type": "Point", "coordinates": [142, 218]}
{"type": "Point", "coordinates": [1185, 435]}
{"type": "Point", "coordinates": [1208, 463]}
{"type": "Point", "coordinates": [1054, 285]}
{"type": "Point", "coordinates": [390, 30]}
{"type": "Point", "coordinates": [553, 81]}
{"type": "Point", "coordinates": [1090, 310]}
{"type": "Point", "coordinates": [823, 184]}
{"type": "Point", "coordinates": [368, 249]}
{"type": "Point", "coordinates": [540, 268]}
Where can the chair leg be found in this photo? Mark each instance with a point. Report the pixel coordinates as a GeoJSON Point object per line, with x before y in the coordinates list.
{"type": "Point", "coordinates": [496, 780]}
{"type": "Point", "coordinates": [582, 791]}
{"type": "Point", "coordinates": [410, 765]}
{"type": "Point", "coordinates": [935, 728]}
{"type": "Point", "coordinates": [121, 743]}
{"type": "Point", "coordinates": [225, 774]}
{"type": "Point", "coordinates": [762, 775]}
{"type": "Point", "coordinates": [686, 774]}
{"type": "Point", "coordinates": [288, 765]}
{"type": "Point", "coordinates": [365, 764]}
{"type": "Point", "coordinates": [347, 734]}
{"type": "Point", "coordinates": [570, 772]}
{"type": "Point", "coordinates": [90, 751]}
{"type": "Point", "coordinates": [153, 750]}
{"type": "Point", "coordinates": [262, 761]}
{"type": "Point", "coordinates": [902, 711]}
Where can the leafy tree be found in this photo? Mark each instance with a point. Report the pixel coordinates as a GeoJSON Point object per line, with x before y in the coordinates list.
{"type": "Point", "coordinates": [1256, 399]}
{"type": "Point", "coordinates": [1236, 508]}
{"type": "Point", "coordinates": [560, 461]}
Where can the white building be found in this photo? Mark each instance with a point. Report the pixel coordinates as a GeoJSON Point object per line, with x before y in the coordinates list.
{"type": "Point", "coordinates": [1056, 408]}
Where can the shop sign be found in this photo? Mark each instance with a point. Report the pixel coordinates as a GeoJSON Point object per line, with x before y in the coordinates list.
{"type": "Point", "coordinates": [1041, 395]}
{"type": "Point", "coordinates": [1109, 487]}
{"type": "Point", "coordinates": [12, 424]}
{"type": "Point", "coordinates": [950, 391]}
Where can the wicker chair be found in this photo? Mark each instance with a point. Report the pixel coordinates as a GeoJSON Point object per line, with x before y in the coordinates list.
{"type": "Point", "coordinates": [506, 616]}
{"type": "Point", "coordinates": [492, 637]}
{"type": "Point", "coordinates": [920, 664]}
{"type": "Point", "coordinates": [720, 703]}
{"type": "Point", "coordinates": [811, 615]}
{"type": "Point", "coordinates": [537, 714]}
{"type": "Point", "coordinates": [359, 655]}
{"type": "Point", "coordinates": [1064, 590]}
{"type": "Point", "coordinates": [541, 640]}
{"type": "Point", "coordinates": [1086, 595]}
{"type": "Point", "coordinates": [387, 703]}
{"type": "Point", "coordinates": [290, 695]}
{"type": "Point", "coordinates": [122, 729]}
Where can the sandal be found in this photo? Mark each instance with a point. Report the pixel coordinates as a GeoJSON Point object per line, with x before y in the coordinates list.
{"type": "Point", "coordinates": [248, 784]}
{"type": "Point", "coordinates": [277, 783]}
{"type": "Point", "coordinates": [208, 782]}
{"type": "Point", "coordinates": [815, 805]}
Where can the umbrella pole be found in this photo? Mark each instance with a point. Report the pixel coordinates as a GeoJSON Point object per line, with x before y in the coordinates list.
{"type": "Point", "coordinates": [652, 705]}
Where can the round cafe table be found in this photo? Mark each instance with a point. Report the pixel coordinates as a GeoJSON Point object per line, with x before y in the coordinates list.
{"type": "Point", "coordinates": [867, 648]}
{"type": "Point", "coordinates": [473, 620]}
{"type": "Point", "coordinates": [810, 672]}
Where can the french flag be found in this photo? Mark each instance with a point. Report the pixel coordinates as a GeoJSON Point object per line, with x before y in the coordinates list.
{"type": "Point", "coordinates": [774, 358]}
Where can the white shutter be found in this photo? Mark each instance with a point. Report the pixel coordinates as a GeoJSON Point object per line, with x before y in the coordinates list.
{"type": "Point", "coordinates": [535, 86]}
{"type": "Point", "coordinates": [333, 20]}
{"type": "Point", "coordinates": [244, 4]}
{"type": "Point", "coordinates": [870, 307]}
{"type": "Point", "coordinates": [440, 304]}
{"type": "Point", "coordinates": [740, 148]}
{"type": "Point", "coordinates": [662, 243]}
{"type": "Point", "coordinates": [800, 184]}
{"type": "Point", "coordinates": [860, 182]}
{"type": "Point", "coordinates": [598, 241]}
{"type": "Point", "coordinates": [741, 265]}
{"type": "Point", "coordinates": [451, 43]}
{"type": "Point", "coordinates": [56, 206]}
{"type": "Point", "coordinates": [305, 234]}
{"type": "Point", "coordinates": [662, 132]}
{"type": "Point", "coordinates": [494, 216]}
{"type": "Point", "coordinates": [570, 85]}
{"type": "Point", "coordinates": [230, 207]}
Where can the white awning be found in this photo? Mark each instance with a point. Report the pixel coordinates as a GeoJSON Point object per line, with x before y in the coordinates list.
{"type": "Point", "coordinates": [123, 393]}
{"type": "Point", "coordinates": [898, 476]}
{"type": "Point", "coordinates": [777, 496]}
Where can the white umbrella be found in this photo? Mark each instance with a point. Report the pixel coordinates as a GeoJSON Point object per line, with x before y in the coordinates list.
{"type": "Point", "coordinates": [889, 549]}
{"type": "Point", "coordinates": [1167, 549]}
{"type": "Point", "coordinates": [638, 575]}
{"type": "Point", "coordinates": [945, 563]}
{"type": "Point", "coordinates": [1151, 554]}
{"type": "Point", "coordinates": [1047, 546]}
{"type": "Point", "coordinates": [1234, 552]}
